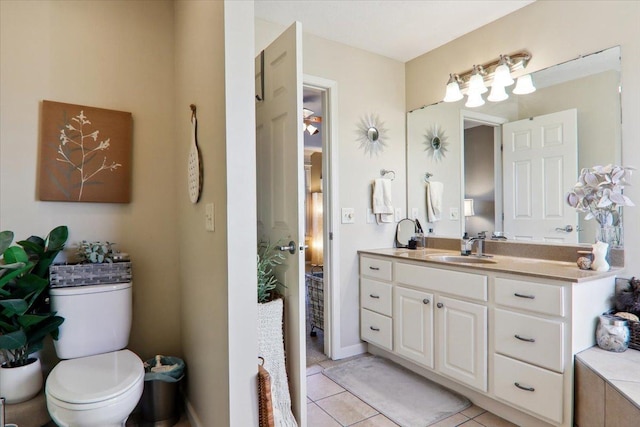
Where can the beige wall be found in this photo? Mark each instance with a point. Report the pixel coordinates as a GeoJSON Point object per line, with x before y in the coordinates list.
{"type": "Point", "coordinates": [554, 32]}
{"type": "Point", "coordinates": [367, 83]}
{"type": "Point", "coordinates": [114, 55]}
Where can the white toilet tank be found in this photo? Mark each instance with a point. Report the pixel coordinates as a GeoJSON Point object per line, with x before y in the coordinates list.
{"type": "Point", "coordinates": [97, 319]}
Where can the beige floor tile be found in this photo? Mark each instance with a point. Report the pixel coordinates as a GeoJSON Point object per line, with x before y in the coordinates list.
{"type": "Point", "coordinates": [319, 386]}
{"type": "Point", "coordinates": [471, 423]}
{"type": "Point", "coordinates": [473, 411]}
{"type": "Point", "coordinates": [346, 408]}
{"type": "Point", "coordinates": [329, 363]}
{"type": "Point", "coordinates": [314, 369]}
{"type": "Point", "coordinates": [491, 420]}
{"type": "Point", "coordinates": [452, 421]}
{"type": "Point", "coordinates": [316, 417]}
{"type": "Point", "coordinates": [376, 421]}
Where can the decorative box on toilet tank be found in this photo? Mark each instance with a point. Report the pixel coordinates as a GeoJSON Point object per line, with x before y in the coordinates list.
{"type": "Point", "coordinates": [64, 275]}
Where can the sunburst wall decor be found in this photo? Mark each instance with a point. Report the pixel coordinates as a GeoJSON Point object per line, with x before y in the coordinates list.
{"type": "Point", "coordinates": [372, 135]}
{"type": "Point", "coordinates": [436, 143]}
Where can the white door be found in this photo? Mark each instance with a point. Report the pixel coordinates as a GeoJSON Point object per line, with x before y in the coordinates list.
{"type": "Point", "coordinates": [462, 341]}
{"type": "Point", "coordinates": [280, 191]}
{"type": "Point", "coordinates": [540, 164]}
{"type": "Point", "coordinates": [413, 324]}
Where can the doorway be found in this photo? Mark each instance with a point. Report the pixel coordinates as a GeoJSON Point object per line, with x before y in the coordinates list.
{"type": "Point", "coordinates": [319, 97]}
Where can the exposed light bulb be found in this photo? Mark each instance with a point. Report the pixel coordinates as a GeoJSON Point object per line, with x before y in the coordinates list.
{"type": "Point", "coordinates": [524, 85]}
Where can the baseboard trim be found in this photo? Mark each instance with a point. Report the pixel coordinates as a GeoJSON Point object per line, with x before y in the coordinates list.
{"type": "Point", "coordinates": [191, 414]}
{"type": "Point", "coordinates": [352, 350]}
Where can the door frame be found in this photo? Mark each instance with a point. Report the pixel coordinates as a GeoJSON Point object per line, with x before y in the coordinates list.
{"type": "Point", "coordinates": [331, 218]}
{"type": "Point", "coordinates": [496, 122]}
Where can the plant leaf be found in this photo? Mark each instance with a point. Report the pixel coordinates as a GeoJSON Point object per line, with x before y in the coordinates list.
{"type": "Point", "coordinates": [13, 306]}
{"type": "Point", "coordinates": [15, 254]}
{"type": "Point", "coordinates": [13, 340]}
{"type": "Point", "coordinates": [57, 238]}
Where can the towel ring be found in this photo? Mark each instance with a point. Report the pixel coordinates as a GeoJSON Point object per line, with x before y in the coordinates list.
{"type": "Point", "coordinates": [383, 172]}
{"type": "Point", "coordinates": [427, 176]}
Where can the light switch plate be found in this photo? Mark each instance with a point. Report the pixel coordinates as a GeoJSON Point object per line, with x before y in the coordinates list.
{"type": "Point", "coordinates": [398, 214]}
{"type": "Point", "coordinates": [348, 216]}
{"type": "Point", "coordinates": [414, 213]}
{"type": "Point", "coordinates": [454, 214]}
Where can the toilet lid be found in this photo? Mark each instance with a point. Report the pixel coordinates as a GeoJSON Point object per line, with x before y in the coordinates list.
{"type": "Point", "coordinates": [95, 378]}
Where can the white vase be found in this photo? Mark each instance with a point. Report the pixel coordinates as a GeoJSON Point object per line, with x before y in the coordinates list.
{"type": "Point", "coordinates": [600, 250]}
{"type": "Point", "coordinates": [21, 383]}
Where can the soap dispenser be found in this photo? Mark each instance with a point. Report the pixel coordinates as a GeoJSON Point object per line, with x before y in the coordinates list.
{"type": "Point", "coordinates": [463, 245]}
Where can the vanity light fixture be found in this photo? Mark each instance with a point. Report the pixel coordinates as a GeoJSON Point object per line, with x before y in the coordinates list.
{"type": "Point", "coordinates": [474, 82]}
{"type": "Point", "coordinates": [524, 85]}
{"type": "Point", "coordinates": [453, 89]}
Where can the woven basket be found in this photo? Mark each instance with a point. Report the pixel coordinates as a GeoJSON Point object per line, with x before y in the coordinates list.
{"type": "Point", "coordinates": [64, 275]}
{"type": "Point", "coordinates": [634, 334]}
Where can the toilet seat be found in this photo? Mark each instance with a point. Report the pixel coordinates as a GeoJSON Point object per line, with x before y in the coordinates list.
{"type": "Point", "coordinates": [95, 380]}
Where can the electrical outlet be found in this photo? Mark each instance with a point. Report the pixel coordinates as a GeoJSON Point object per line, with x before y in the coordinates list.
{"type": "Point", "coordinates": [454, 214]}
{"type": "Point", "coordinates": [414, 213]}
{"type": "Point", "coordinates": [371, 218]}
{"type": "Point", "coordinates": [348, 216]}
{"type": "Point", "coordinates": [398, 214]}
{"type": "Point", "coordinates": [209, 217]}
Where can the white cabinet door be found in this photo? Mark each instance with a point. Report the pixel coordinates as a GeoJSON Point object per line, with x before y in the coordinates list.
{"type": "Point", "coordinates": [413, 325]}
{"type": "Point", "coordinates": [462, 341]}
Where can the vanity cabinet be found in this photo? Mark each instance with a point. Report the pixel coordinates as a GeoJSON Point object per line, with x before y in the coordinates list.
{"type": "Point", "coordinates": [462, 341]}
{"type": "Point", "coordinates": [505, 340]}
{"type": "Point", "coordinates": [413, 324]}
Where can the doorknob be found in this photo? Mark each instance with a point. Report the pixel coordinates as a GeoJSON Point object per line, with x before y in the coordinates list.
{"type": "Point", "coordinates": [291, 248]}
{"type": "Point", "coordinates": [565, 229]}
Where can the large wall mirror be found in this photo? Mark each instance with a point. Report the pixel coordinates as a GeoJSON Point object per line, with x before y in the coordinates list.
{"type": "Point", "coordinates": [576, 105]}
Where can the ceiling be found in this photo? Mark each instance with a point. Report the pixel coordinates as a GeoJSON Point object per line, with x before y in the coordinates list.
{"type": "Point", "coordinates": [398, 29]}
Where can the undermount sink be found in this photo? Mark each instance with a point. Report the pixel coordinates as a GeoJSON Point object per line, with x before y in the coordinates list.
{"type": "Point", "coordinates": [461, 259]}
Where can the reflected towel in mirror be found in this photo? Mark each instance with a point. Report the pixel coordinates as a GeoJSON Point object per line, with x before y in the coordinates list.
{"type": "Point", "coordinates": [381, 200]}
{"type": "Point", "coordinates": [434, 191]}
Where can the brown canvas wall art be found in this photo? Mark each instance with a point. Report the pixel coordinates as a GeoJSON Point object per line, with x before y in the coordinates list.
{"type": "Point", "coordinates": [85, 154]}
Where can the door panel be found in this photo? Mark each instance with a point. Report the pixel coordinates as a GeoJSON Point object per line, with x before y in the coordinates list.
{"type": "Point", "coordinates": [540, 163]}
{"type": "Point", "coordinates": [280, 186]}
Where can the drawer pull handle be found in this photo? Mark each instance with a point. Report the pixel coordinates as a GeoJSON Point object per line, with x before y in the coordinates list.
{"type": "Point", "coordinates": [374, 296]}
{"type": "Point", "coordinates": [525, 339]}
{"type": "Point", "coordinates": [374, 268]}
{"type": "Point", "coordinates": [525, 388]}
{"type": "Point", "coordinates": [373, 328]}
{"type": "Point", "coordinates": [525, 296]}
{"type": "Point", "coordinates": [440, 305]}
{"type": "Point", "coordinates": [426, 301]}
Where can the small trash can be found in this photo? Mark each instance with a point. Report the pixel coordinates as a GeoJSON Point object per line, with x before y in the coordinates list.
{"type": "Point", "coordinates": [159, 402]}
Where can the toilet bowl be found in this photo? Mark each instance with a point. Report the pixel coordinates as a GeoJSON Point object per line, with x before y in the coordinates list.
{"type": "Point", "coordinates": [95, 391]}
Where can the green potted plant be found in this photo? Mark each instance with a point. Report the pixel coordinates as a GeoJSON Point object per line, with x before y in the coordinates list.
{"type": "Point", "coordinates": [268, 259]}
{"type": "Point", "coordinates": [25, 318]}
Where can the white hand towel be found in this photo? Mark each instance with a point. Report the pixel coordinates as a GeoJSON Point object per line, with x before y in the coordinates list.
{"type": "Point", "coordinates": [381, 200]}
{"type": "Point", "coordinates": [434, 194]}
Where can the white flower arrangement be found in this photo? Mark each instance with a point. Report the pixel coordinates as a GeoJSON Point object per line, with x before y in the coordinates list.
{"type": "Point", "coordinates": [599, 193]}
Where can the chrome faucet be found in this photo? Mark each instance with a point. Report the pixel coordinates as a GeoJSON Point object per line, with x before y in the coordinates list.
{"type": "Point", "coordinates": [467, 246]}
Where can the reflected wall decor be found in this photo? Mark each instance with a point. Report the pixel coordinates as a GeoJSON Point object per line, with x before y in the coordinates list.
{"type": "Point", "coordinates": [85, 154]}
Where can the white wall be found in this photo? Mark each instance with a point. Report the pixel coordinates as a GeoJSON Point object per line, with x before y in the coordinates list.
{"type": "Point", "coordinates": [367, 83]}
{"type": "Point", "coordinates": [114, 55]}
{"type": "Point", "coordinates": [543, 29]}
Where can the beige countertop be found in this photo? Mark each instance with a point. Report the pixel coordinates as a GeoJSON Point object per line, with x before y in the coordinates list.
{"type": "Point", "coordinates": [621, 370]}
{"type": "Point", "coordinates": [558, 270]}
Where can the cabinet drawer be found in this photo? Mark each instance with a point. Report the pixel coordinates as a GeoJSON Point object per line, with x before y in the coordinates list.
{"type": "Point", "coordinates": [537, 297]}
{"type": "Point", "coordinates": [451, 282]}
{"type": "Point", "coordinates": [375, 296]}
{"type": "Point", "coordinates": [529, 387]}
{"type": "Point", "coordinates": [376, 268]}
{"type": "Point", "coordinates": [530, 338]}
{"type": "Point", "coordinates": [376, 328]}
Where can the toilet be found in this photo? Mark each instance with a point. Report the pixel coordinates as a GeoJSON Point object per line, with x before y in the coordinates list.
{"type": "Point", "coordinates": [99, 382]}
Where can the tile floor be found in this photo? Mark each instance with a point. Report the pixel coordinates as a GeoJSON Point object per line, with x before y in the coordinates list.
{"type": "Point", "coordinates": [329, 405]}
